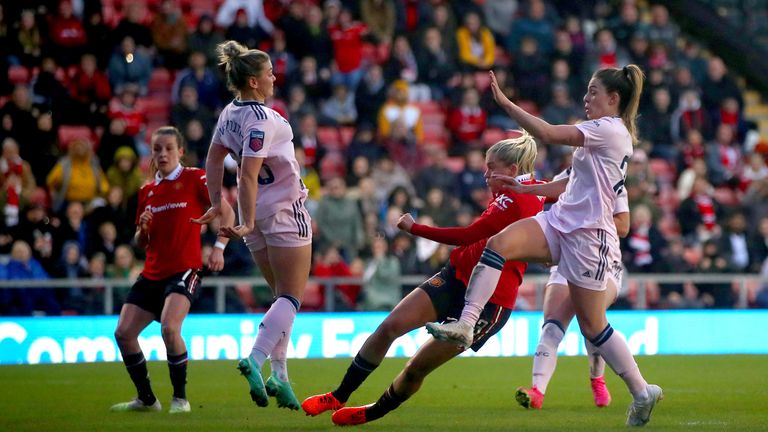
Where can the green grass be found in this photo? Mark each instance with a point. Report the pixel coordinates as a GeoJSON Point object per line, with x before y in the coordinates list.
{"type": "Point", "coordinates": [467, 394]}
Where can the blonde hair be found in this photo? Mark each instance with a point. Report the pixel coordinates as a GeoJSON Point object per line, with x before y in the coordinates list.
{"type": "Point", "coordinates": [628, 83]}
{"type": "Point", "coordinates": [521, 151]}
{"type": "Point", "coordinates": [239, 63]}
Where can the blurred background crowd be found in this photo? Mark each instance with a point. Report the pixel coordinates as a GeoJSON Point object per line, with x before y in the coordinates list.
{"type": "Point", "coordinates": [391, 110]}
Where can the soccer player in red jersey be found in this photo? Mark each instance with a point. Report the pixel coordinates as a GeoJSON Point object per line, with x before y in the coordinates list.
{"type": "Point", "coordinates": [170, 280]}
{"type": "Point", "coordinates": [442, 295]}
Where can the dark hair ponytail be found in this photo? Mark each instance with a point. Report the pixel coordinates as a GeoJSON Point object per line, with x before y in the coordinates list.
{"type": "Point", "coordinates": [628, 83]}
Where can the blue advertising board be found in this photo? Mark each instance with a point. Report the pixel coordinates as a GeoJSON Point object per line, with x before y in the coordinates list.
{"type": "Point", "coordinates": [326, 335]}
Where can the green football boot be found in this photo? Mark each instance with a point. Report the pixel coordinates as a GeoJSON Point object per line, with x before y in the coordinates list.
{"type": "Point", "coordinates": [282, 391]}
{"type": "Point", "coordinates": [250, 370]}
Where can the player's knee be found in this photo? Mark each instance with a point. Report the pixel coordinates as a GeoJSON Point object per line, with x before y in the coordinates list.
{"type": "Point", "coordinates": [496, 244]}
{"type": "Point", "coordinates": [552, 332]}
{"type": "Point", "coordinates": [123, 336]}
{"type": "Point", "coordinates": [170, 331]}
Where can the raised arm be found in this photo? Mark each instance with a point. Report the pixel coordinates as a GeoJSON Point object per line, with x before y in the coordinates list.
{"type": "Point", "coordinates": [455, 236]}
{"type": "Point", "coordinates": [548, 133]}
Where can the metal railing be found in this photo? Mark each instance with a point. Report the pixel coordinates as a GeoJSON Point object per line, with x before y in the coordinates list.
{"type": "Point", "coordinates": [221, 284]}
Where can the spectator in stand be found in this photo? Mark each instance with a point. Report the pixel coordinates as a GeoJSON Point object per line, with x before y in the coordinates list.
{"type": "Point", "coordinates": [253, 11]}
{"type": "Point", "coordinates": [27, 42]}
{"type": "Point", "coordinates": [125, 172]}
{"type": "Point", "coordinates": [755, 170]}
{"type": "Point", "coordinates": [398, 108]}
{"type": "Point", "coordinates": [283, 62]}
{"type": "Point", "coordinates": [606, 52]}
{"type": "Point", "coordinates": [125, 267]}
{"type": "Point", "coordinates": [202, 78]}
{"type": "Point", "coordinates": [364, 144]}
{"type": "Point", "coordinates": [380, 17]}
{"type": "Point", "coordinates": [682, 81]}
{"type": "Point", "coordinates": [437, 65]}
{"type": "Point", "coordinates": [90, 92]}
{"type": "Point", "coordinates": [340, 109]}
{"type": "Point", "coordinates": [759, 240]}
{"type": "Point", "coordinates": [294, 26]}
{"type": "Point", "coordinates": [498, 14]}
{"type": "Point", "coordinates": [497, 117]}
{"type": "Point", "coordinates": [639, 49]}
{"type": "Point", "coordinates": [38, 230]}
{"type": "Point", "coordinates": [561, 109]}
{"type": "Point", "coordinates": [306, 137]}
{"type": "Point", "coordinates": [697, 168]}
{"type": "Point", "coordinates": [655, 125]}
{"type": "Point", "coordinates": [67, 35]}
{"type": "Point", "coordinates": [565, 51]}
{"type": "Point", "coordinates": [472, 177]}
{"type": "Point", "coordinates": [347, 37]}
{"type": "Point", "coordinates": [118, 210]}
{"type": "Point", "coordinates": [129, 66]}
{"type": "Point", "coordinates": [370, 95]}
{"type": "Point", "coordinates": [690, 115]}
{"type": "Point", "coordinates": [439, 206]}
{"type": "Point", "coordinates": [435, 174]}
{"type": "Point", "coordinates": [627, 24]}
{"type": "Point", "coordinates": [48, 92]}
{"type": "Point", "coordinates": [94, 297]}
{"type": "Point", "coordinates": [643, 247]}
{"type": "Point", "coordinates": [71, 265]}
{"type": "Point", "coordinates": [169, 34]}
{"type": "Point", "coordinates": [113, 138]}
{"type": "Point", "coordinates": [99, 37]}
{"type": "Point", "coordinates": [677, 295]}
{"type": "Point", "coordinates": [25, 301]}
{"type": "Point", "coordinates": [530, 70]}
{"type": "Point", "coordinates": [717, 86]}
{"type": "Point", "coordinates": [298, 105]}
{"type": "Point", "coordinates": [77, 177]}
{"type": "Point", "coordinates": [17, 119]}
{"type": "Point", "coordinates": [134, 25]}
{"type": "Point", "coordinates": [104, 241]}
{"type": "Point", "coordinates": [42, 151]}
{"type": "Point", "coordinates": [242, 32]}
{"type": "Point", "coordinates": [661, 29]}
{"type": "Point", "coordinates": [311, 180]}
{"type": "Point", "coordinates": [189, 108]}
{"type": "Point", "coordinates": [339, 220]}
{"type": "Point", "coordinates": [477, 49]}
{"type": "Point", "coordinates": [387, 175]}
{"type": "Point", "coordinates": [329, 263]}
{"type": "Point", "coordinates": [204, 39]}
{"type": "Point", "coordinates": [730, 114]}
{"type": "Point", "coordinates": [736, 245]}
{"type": "Point", "coordinates": [534, 24]}
{"type": "Point", "coordinates": [17, 182]}
{"type": "Point", "coordinates": [381, 289]}
{"type": "Point", "coordinates": [319, 44]}
{"type": "Point", "coordinates": [198, 141]}
{"type": "Point", "coordinates": [316, 82]}
{"type": "Point", "coordinates": [714, 295]}
{"type": "Point", "coordinates": [402, 62]}
{"type": "Point", "coordinates": [467, 122]}
{"type": "Point", "coordinates": [73, 226]}
{"type": "Point", "coordinates": [698, 214]}
{"type": "Point", "coordinates": [125, 107]}
{"type": "Point", "coordinates": [724, 158]}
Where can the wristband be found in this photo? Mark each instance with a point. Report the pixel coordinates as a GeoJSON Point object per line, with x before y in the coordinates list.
{"type": "Point", "coordinates": [219, 245]}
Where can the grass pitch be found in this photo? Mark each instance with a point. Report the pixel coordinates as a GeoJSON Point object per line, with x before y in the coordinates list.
{"type": "Point", "coordinates": [467, 394]}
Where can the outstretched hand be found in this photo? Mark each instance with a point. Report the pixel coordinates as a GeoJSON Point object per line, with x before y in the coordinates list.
{"type": "Point", "coordinates": [498, 95]}
{"type": "Point", "coordinates": [406, 222]}
{"type": "Point", "coordinates": [235, 232]}
{"type": "Point", "coordinates": [211, 214]}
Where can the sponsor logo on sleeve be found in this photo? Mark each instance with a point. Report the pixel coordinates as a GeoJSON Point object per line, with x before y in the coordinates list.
{"type": "Point", "coordinates": [256, 140]}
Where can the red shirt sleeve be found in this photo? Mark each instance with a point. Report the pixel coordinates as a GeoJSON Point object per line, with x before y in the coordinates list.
{"type": "Point", "coordinates": [486, 225]}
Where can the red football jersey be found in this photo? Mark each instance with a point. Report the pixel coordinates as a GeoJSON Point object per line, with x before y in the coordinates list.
{"type": "Point", "coordinates": [505, 209]}
{"type": "Point", "coordinates": [174, 241]}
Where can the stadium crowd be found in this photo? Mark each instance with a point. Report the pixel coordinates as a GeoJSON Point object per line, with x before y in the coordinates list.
{"type": "Point", "coordinates": [391, 110]}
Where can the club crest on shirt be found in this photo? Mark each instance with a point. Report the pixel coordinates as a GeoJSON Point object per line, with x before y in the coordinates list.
{"type": "Point", "coordinates": [436, 281]}
{"type": "Point", "coordinates": [256, 140]}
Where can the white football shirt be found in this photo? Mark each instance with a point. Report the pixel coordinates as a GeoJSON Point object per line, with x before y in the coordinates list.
{"type": "Point", "coordinates": [250, 129]}
{"type": "Point", "coordinates": [597, 178]}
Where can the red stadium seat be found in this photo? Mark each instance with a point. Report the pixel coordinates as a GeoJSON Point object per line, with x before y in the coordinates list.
{"type": "Point", "coordinates": [160, 82]}
{"type": "Point", "coordinates": [347, 134]}
{"type": "Point", "coordinates": [429, 107]}
{"type": "Point", "coordinates": [157, 108]}
{"type": "Point", "coordinates": [329, 137]}
{"type": "Point", "coordinates": [663, 170]}
{"type": "Point", "coordinates": [67, 134]}
{"type": "Point", "coordinates": [18, 75]}
{"type": "Point", "coordinates": [726, 196]}
{"type": "Point", "coordinates": [492, 136]}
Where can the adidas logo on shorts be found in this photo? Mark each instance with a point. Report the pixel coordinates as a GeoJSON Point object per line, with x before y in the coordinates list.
{"type": "Point", "coordinates": [587, 274]}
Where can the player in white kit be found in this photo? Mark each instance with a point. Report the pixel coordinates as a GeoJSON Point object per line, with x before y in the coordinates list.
{"type": "Point", "coordinates": [558, 310]}
{"type": "Point", "coordinates": [273, 221]}
{"type": "Point", "coordinates": [578, 232]}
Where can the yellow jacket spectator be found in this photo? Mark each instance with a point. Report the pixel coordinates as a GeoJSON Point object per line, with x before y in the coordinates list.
{"type": "Point", "coordinates": [397, 108]}
{"type": "Point", "coordinates": [77, 176]}
{"type": "Point", "coordinates": [477, 49]}
{"type": "Point", "coordinates": [125, 172]}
